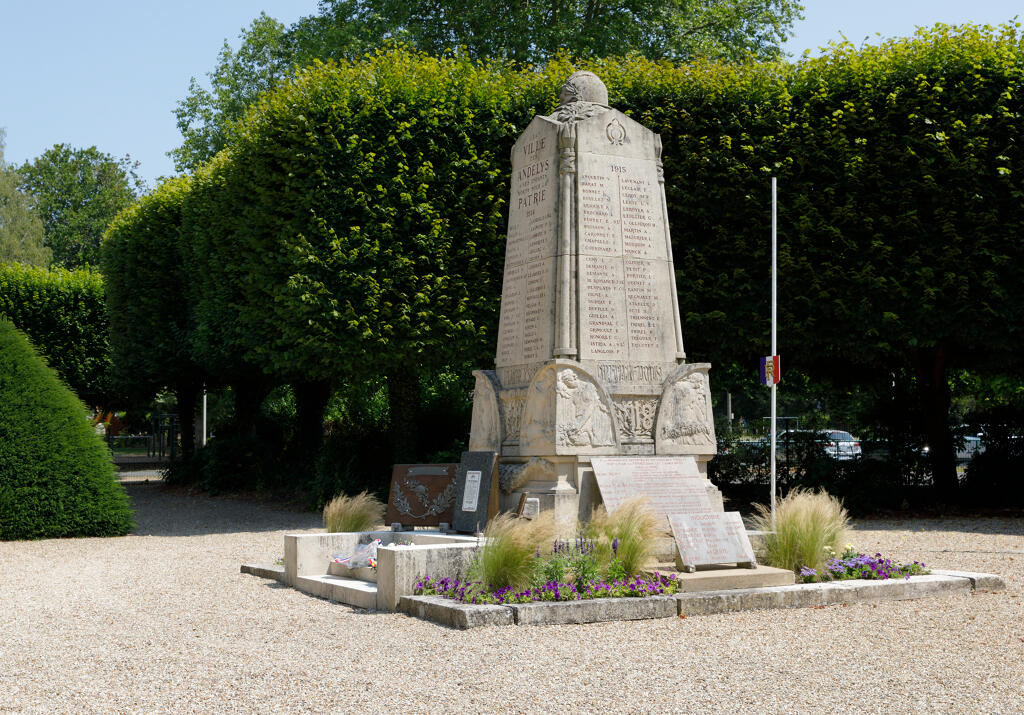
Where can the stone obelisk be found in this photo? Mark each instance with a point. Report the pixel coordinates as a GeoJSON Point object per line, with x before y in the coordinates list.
{"type": "Point", "coordinates": [590, 358]}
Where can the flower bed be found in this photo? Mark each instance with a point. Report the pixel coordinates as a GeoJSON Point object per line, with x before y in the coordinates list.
{"type": "Point", "coordinates": [477, 593]}
{"type": "Point", "coordinates": [854, 565]}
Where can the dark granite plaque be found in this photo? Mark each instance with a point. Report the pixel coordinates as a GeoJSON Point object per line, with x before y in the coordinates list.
{"type": "Point", "coordinates": [421, 494]}
{"type": "Point", "coordinates": [476, 497]}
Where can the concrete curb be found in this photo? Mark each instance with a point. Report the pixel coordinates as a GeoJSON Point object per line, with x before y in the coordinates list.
{"type": "Point", "coordinates": [457, 615]}
{"type": "Point", "coordinates": [593, 611]}
{"type": "Point", "coordinates": [697, 603]}
{"type": "Point", "coordinates": [264, 571]}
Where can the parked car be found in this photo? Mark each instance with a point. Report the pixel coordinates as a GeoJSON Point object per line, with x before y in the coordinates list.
{"type": "Point", "coordinates": [837, 444]}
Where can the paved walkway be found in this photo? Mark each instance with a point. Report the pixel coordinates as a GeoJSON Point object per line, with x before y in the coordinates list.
{"type": "Point", "coordinates": [162, 621]}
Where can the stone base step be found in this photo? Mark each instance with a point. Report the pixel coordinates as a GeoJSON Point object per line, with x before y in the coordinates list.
{"type": "Point", "coordinates": [350, 591]}
{"type": "Point", "coordinates": [726, 578]}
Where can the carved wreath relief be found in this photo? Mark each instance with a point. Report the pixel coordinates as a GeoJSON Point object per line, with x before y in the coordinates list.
{"type": "Point", "coordinates": [441, 503]}
{"type": "Point", "coordinates": [635, 417]}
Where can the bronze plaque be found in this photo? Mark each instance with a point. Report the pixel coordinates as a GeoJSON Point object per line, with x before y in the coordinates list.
{"type": "Point", "coordinates": [421, 494]}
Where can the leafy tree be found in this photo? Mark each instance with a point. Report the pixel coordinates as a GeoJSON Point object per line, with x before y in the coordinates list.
{"type": "Point", "coordinates": [78, 193]}
{"type": "Point", "coordinates": [236, 81]}
{"type": "Point", "coordinates": [147, 303]}
{"type": "Point", "coordinates": [508, 30]}
{"type": "Point", "coordinates": [21, 231]}
{"type": "Point", "coordinates": [904, 217]}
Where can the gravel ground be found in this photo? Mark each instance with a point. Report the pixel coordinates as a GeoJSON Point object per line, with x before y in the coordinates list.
{"type": "Point", "coordinates": [162, 621]}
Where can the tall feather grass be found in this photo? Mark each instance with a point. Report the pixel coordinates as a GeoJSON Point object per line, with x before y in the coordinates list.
{"type": "Point", "coordinates": [362, 512]}
{"type": "Point", "coordinates": [805, 523]}
{"type": "Point", "coordinates": [508, 556]}
{"type": "Point", "coordinates": [633, 529]}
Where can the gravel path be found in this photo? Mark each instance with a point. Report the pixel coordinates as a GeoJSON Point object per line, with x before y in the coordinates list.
{"type": "Point", "coordinates": [162, 621]}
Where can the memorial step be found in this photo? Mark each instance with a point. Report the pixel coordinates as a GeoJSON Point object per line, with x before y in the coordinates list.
{"type": "Point", "coordinates": [350, 591]}
{"type": "Point", "coordinates": [727, 577]}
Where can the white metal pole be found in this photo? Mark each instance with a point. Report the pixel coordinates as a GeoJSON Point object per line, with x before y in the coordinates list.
{"type": "Point", "coordinates": [204, 415]}
{"type": "Point", "coordinates": [774, 346]}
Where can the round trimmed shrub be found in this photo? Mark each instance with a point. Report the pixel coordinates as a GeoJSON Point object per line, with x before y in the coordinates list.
{"type": "Point", "coordinates": [56, 475]}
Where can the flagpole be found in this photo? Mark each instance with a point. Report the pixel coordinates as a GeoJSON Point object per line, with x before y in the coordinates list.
{"type": "Point", "coordinates": [774, 346]}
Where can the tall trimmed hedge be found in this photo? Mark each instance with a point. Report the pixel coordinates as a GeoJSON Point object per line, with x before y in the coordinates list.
{"type": "Point", "coordinates": [56, 475]}
{"type": "Point", "coordinates": [64, 314]}
{"type": "Point", "coordinates": [356, 225]}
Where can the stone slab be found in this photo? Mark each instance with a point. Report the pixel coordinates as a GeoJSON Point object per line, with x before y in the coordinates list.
{"type": "Point", "coordinates": [593, 611]}
{"type": "Point", "coordinates": [272, 571]}
{"type": "Point", "coordinates": [673, 485]}
{"type": "Point", "coordinates": [421, 494]}
{"type": "Point", "coordinates": [711, 538]}
{"type": "Point", "coordinates": [726, 579]}
{"type": "Point", "coordinates": [476, 491]}
{"type": "Point", "coordinates": [988, 581]}
{"type": "Point", "coordinates": [818, 594]}
{"type": "Point", "coordinates": [456, 615]}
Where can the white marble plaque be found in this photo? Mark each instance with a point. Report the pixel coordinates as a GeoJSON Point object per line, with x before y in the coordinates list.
{"type": "Point", "coordinates": [469, 499]}
{"type": "Point", "coordinates": [672, 484]}
{"type": "Point", "coordinates": [712, 538]}
{"type": "Point", "coordinates": [526, 322]}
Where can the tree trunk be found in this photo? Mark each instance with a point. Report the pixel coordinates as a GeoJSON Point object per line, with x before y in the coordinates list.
{"type": "Point", "coordinates": [404, 405]}
{"type": "Point", "coordinates": [933, 391]}
{"type": "Point", "coordinates": [311, 400]}
{"type": "Point", "coordinates": [187, 392]}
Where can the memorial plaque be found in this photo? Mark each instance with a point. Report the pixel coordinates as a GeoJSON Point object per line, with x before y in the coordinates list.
{"type": "Point", "coordinates": [421, 494]}
{"type": "Point", "coordinates": [673, 485]}
{"type": "Point", "coordinates": [713, 538]}
{"type": "Point", "coordinates": [476, 480]}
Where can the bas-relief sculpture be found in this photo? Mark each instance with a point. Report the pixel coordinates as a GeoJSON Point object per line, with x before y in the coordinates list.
{"type": "Point", "coordinates": [590, 356]}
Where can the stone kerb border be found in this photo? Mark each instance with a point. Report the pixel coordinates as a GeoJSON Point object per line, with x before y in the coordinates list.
{"type": "Point", "coordinates": [698, 603]}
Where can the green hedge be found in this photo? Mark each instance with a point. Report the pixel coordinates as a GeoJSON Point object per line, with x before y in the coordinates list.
{"type": "Point", "coordinates": [64, 314]}
{"type": "Point", "coordinates": [56, 475]}
{"type": "Point", "coordinates": [356, 225]}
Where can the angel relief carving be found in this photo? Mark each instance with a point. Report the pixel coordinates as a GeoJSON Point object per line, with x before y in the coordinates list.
{"type": "Point", "coordinates": [689, 413]}
{"type": "Point", "coordinates": [584, 419]}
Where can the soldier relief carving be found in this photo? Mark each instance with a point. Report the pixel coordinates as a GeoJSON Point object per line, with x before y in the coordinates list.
{"type": "Point", "coordinates": [688, 413]}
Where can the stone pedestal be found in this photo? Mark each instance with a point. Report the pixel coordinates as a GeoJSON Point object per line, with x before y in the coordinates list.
{"type": "Point", "coordinates": [590, 356]}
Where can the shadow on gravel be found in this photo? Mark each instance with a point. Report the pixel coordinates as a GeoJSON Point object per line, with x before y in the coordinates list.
{"type": "Point", "coordinates": [968, 524]}
{"type": "Point", "coordinates": [162, 511]}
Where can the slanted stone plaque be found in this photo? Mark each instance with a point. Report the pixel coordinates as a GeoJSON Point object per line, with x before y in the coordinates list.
{"type": "Point", "coordinates": [673, 485]}
{"type": "Point", "coordinates": [712, 538]}
{"type": "Point", "coordinates": [421, 494]}
{"type": "Point", "coordinates": [476, 501]}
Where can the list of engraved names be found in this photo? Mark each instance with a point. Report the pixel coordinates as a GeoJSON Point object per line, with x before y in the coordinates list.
{"type": "Point", "coordinates": [625, 278]}
{"type": "Point", "coordinates": [525, 327]}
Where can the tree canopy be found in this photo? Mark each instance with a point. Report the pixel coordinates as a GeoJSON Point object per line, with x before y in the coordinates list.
{"type": "Point", "coordinates": [530, 33]}
{"type": "Point", "coordinates": [77, 193]}
{"type": "Point", "coordinates": [21, 231]}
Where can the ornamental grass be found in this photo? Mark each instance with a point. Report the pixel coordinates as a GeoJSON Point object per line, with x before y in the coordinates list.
{"type": "Point", "coordinates": [808, 527]}
{"type": "Point", "coordinates": [627, 537]}
{"type": "Point", "coordinates": [508, 557]}
{"type": "Point", "coordinates": [362, 512]}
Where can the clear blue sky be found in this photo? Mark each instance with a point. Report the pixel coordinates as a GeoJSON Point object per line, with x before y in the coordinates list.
{"type": "Point", "coordinates": [110, 72]}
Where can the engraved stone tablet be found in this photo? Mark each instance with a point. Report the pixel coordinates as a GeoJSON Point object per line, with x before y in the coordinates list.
{"type": "Point", "coordinates": [472, 494]}
{"type": "Point", "coordinates": [476, 480]}
{"type": "Point", "coordinates": [714, 538]}
{"type": "Point", "coordinates": [672, 484]}
{"type": "Point", "coordinates": [421, 494]}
